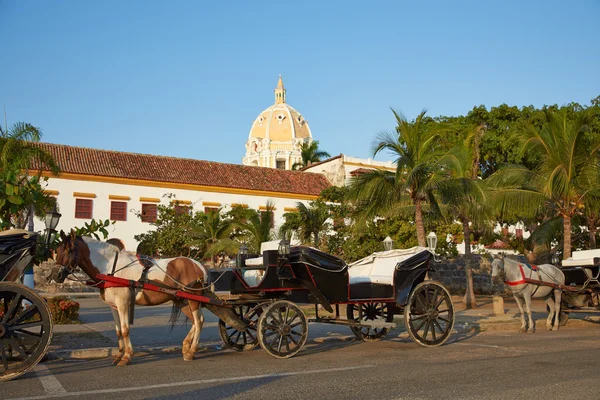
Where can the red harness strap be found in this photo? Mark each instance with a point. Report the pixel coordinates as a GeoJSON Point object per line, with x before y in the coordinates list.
{"type": "Point", "coordinates": [523, 279]}
{"type": "Point", "coordinates": [113, 281]}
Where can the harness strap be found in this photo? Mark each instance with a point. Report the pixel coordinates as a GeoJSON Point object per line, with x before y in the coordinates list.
{"type": "Point", "coordinates": [115, 263]}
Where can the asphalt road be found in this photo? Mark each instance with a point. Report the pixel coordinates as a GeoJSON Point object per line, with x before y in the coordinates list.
{"type": "Point", "coordinates": [495, 365]}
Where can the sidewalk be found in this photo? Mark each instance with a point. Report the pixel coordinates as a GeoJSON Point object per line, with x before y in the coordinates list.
{"type": "Point", "coordinates": [151, 333]}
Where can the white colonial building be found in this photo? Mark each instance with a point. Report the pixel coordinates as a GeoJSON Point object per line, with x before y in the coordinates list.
{"type": "Point", "coordinates": [277, 135]}
{"type": "Point", "coordinates": [103, 184]}
{"type": "Point", "coordinates": [340, 169]}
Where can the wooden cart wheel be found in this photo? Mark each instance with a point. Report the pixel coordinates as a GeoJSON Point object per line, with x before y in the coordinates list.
{"type": "Point", "coordinates": [282, 329]}
{"type": "Point", "coordinates": [242, 341]}
{"type": "Point", "coordinates": [25, 329]}
{"type": "Point", "coordinates": [429, 314]}
{"type": "Point", "coordinates": [363, 312]}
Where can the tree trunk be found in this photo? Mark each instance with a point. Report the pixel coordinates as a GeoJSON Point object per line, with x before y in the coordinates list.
{"type": "Point", "coordinates": [592, 231]}
{"type": "Point", "coordinates": [419, 224]}
{"type": "Point", "coordinates": [567, 237]}
{"type": "Point", "coordinates": [469, 299]}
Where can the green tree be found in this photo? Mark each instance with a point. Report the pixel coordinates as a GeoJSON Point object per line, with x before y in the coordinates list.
{"type": "Point", "coordinates": [566, 176]}
{"type": "Point", "coordinates": [309, 222]}
{"type": "Point", "coordinates": [310, 153]}
{"type": "Point", "coordinates": [212, 234]}
{"type": "Point", "coordinates": [21, 189]}
{"type": "Point", "coordinates": [254, 227]}
{"type": "Point", "coordinates": [465, 196]}
{"type": "Point", "coordinates": [419, 160]}
{"type": "Point", "coordinates": [172, 233]}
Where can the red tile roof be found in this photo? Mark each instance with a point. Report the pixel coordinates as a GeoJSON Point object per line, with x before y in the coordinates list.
{"type": "Point", "coordinates": [498, 245]}
{"type": "Point", "coordinates": [116, 164]}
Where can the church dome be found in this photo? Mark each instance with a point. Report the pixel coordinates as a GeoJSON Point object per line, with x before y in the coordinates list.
{"type": "Point", "coordinates": [277, 134]}
{"type": "Point", "coordinates": [280, 122]}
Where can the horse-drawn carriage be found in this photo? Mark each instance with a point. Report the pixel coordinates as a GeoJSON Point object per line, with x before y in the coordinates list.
{"type": "Point", "coordinates": [25, 323]}
{"type": "Point", "coordinates": [265, 292]}
{"type": "Point", "coordinates": [257, 300]}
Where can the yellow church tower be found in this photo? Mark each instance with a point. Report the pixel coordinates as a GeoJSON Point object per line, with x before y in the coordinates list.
{"type": "Point", "coordinates": [277, 135]}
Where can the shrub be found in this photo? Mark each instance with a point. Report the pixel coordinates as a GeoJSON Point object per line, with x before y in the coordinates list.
{"type": "Point", "coordinates": [63, 309]}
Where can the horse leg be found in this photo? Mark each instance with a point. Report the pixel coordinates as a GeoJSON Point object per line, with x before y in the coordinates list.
{"type": "Point", "coordinates": [123, 309]}
{"type": "Point", "coordinates": [115, 314]}
{"type": "Point", "coordinates": [187, 342]}
{"type": "Point", "coordinates": [557, 304]}
{"type": "Point", "coordinates": [551, 313]}
{"type": "Point", "coordinates": [528, 309]}
{"type": "Point", "coordinates": [198, 321]}
{"type": "Point", "coordinates": [523, 328]}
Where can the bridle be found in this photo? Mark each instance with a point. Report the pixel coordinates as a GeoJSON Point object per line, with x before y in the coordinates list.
{"type": "Point", "coordinates": [72, 264]}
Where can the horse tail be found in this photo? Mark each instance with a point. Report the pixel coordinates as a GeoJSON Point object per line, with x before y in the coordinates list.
{"type": "Point", "coordinates": [175, 313]}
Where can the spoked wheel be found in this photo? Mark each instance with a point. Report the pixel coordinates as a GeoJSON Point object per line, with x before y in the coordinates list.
{"type": "Point", "coordinates": [282, 329]}
{"type": "Point", "coordinates": [429, 314]}
{"type": "Point", "coordinates": [25, 329]}
{"type": "Point", "coordinates": [242, 341]}
{"type": "Point", "coordinates": [365, 312]}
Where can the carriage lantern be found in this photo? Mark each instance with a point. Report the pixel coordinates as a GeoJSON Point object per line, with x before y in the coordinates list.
{"type": "Point", "coordinates": [284, 247]}
{"type": "Point", "coordinates": [432, 241]}
{"type": "Point", "coordinates": [243, 251]}
{"type": "Point", "coordinates": [388, 243]}
{"type": "Point", "coordinates": [51, 222]}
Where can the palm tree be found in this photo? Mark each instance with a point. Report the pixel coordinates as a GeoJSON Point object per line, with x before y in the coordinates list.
{"type": "Point", "coordinates": [566, 177]}
{"type": "Point", "coordinates": [212, 235]}
{"type": "Point", "coordinates": [310, 153]}
{"type": "Point", "coordinates": [465, 197]}
{"type": "Point", "coordinates": [418, 158]}
{"type": "Point", "coordinates": [19, 153]}
{"type": "Point", "coordinates": [256, 227]}
{"type": "Point", "coordinates": [309, 222]}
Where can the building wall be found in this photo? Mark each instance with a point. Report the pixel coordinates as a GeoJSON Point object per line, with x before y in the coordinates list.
{"type": "Point", "coordinates": [338, 169]}
{"type": "Point", "coordinates": [67, 191]}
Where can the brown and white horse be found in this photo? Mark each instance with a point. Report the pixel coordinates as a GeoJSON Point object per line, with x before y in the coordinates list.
{"type": "Point", "coordinates": [96, 257]}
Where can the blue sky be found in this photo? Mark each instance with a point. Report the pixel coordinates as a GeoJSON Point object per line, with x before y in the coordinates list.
{"type": "Point", "coordinates": [187, 78]}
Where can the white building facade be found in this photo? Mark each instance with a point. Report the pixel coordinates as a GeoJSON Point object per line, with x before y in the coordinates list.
{"type": "Point", "coordinates": [102, 184]}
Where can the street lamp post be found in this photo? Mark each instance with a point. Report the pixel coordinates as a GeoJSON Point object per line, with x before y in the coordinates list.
{"type": "Point", "coordinates": [388, 243]}
{"type": "Point", "coordinates": [432, 241]}
{"type": "Point", "coordinates": [241, 255]}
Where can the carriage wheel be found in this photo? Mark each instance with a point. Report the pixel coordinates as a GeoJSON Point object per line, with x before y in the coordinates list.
{"type": "Point", "coordinates": [25, 329]}
{"type": "Point", "coordinates": [282, 329]}
{"type": "Point", "coordinates": [429, 314]}
{"type": "Point", "coordinates": [364, 312]}
{"type": "Point", "coordinates": [242, 341]}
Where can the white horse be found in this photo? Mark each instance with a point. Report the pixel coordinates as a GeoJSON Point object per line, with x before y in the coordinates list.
{"type": "Point", "coordinates": [516, 274]}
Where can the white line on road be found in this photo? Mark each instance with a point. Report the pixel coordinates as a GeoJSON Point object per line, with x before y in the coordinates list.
{"type": "Point", "coordinates": [51, 385]}
{"type": "Point", "coordinates": [189, 383]}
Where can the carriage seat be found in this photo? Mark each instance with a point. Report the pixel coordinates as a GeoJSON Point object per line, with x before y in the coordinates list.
{"type": "Point", "coordinates": [256, 262]}
{"type": "Point", "coordinates": [379, 268]}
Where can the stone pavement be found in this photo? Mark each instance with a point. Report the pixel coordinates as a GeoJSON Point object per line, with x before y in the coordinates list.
{"type": "Point", "coordinates": [95, 336]}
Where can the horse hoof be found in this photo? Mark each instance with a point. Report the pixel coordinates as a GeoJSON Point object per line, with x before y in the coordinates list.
{"type": "Point", "coordinates": [522, 330]}
{"type": "Point", "coordinates": [531, 331]}
{"type": "Point", "coordinates": [549, 328]}
{"type": "Point", "coordinates": [124, 362]}
{"type": "Point", "coordinates": [554, 329]}
{"type": "Point", "coordinates": [116, 360]}
{"type": "Point", "coordinates": [188, 357]}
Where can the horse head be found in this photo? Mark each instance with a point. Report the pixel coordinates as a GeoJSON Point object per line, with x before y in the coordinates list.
{"type": "Point", "coordinates": [497, 269]}
{"type": "Point", "coordinates": [69, 255]}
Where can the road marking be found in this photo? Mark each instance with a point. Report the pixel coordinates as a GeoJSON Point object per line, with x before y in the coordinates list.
{"type": "Point", "coordinates": [51, 385]}
{"type": "Point", "coordinates": [188, 383]}
{"type": "Point", "coordinates": [493, 346]}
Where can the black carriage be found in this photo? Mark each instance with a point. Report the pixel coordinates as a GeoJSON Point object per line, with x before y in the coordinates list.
{"type": "Point", "coordinates": [265, 292]}
{"type": "Point", "coordinates": [25, 322]}
{"type": "Point", "coordinates": [581, 292]}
